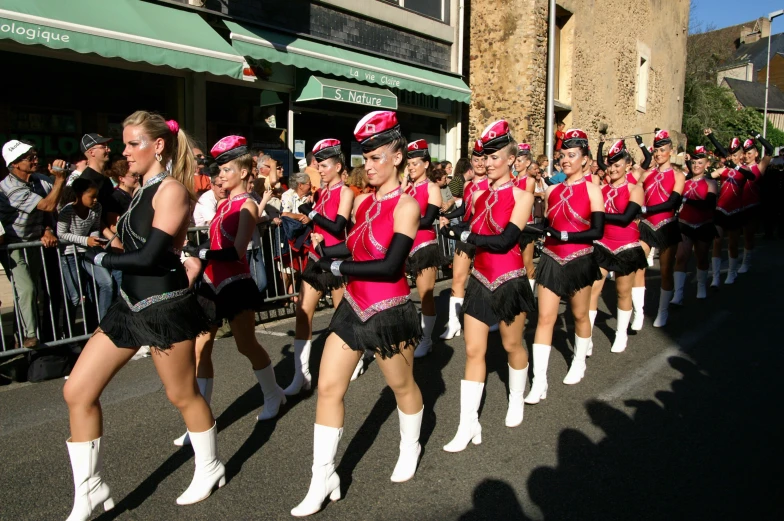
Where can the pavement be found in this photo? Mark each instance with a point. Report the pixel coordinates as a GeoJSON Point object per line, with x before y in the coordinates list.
{"type": "Point", "coordinates": [683, 425]}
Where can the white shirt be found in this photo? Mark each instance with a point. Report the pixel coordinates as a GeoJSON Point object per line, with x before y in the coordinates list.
{"type": "Point", "coordinates": [206, 208]}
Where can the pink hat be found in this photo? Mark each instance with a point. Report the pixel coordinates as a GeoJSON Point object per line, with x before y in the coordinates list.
{"type": "Point", "coordinates": [575, 138]}
{"type": "Point", "coordinates": [523, 149]}
{"type": "Point", "coordinates": [325, 149]}
{"type": "Point", "coordinates": [496, 136]}
{"type": "Point", "coordinates": [419, 148]}
{"type": "Point", "coordinates": [617, 152]}
{"type": "Point", "coordinates": [229, 148]}
{"type": "Point", "coordinates": [377, 129]}
{"type": "Point", "coordinates": [661, 138]}
{"type": "Point", "coordinates": [478, 150]}
{"type": "Point", "coordinates": [749, 144]}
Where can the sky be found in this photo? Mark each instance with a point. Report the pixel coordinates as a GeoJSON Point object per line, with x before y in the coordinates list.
{"type": "Point", "coordinates": [723, 13]}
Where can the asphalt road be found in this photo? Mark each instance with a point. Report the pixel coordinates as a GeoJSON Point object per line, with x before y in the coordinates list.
{"type": "Point", "coordinates": [684, 425]}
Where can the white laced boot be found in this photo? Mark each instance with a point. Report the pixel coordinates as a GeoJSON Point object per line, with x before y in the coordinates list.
{"type": "Point", "coordinates": [359, 369]}
{"type": "Point", "coordinates": [621, 335]}
{"type": "Point", "coordinates": [592, 317]}
{"type": "Point", "coordinates": [453, 327]}
{"type": "Point", "coordinates": [469, 429]}
{"type": "Point", "coordinates": [302, 378]}
{"type": "Point", "coordinates": [716, 262]}
{"type": "Point", "coordinates": [209, 470]}
{"type": "Point", "coordinates": [664, 308]}
{"type": "Point", "coordinates": [638, 305]}
{"type": "Point", "coordinates": [515, 410]}
{"type": "Point", "coordinates": [205, 388]}
{"type": "Point", "coordinates": [651, 256]}
{"type": "Point", "coordinates": [89, 489]}
{"type": "Point", "coordinates": [539, 383]}
{"type": "Point", "coordinates": [680, 282]}
{"type": "Point", "coordinates": [732, 272]}
{"type": "Point", "coordinates": [410, 449]}
{"type": "Point", "coordinates": [532, 283]}
{"type": "Point", "coordinates": [325, 482]}
{"type": "Point", "coordinates": [273, 395]}
{"type": "Point", "coordinates": [702, 284]}
{"type": "Point", "coordinates": [426, 344]}
{"type": "Point", "coordinates": [577, 369]}
{"type": "Point", "coordinates": [746, 265]}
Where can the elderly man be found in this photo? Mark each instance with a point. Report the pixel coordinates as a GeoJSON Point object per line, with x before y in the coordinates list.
{"type": "Point", "coordinates": [207, 205]}
{"type": "Point", "coordinates": [27, 204]}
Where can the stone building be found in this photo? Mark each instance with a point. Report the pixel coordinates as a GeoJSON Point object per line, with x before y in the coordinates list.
{"type": "Point", "coordinates": [620, 66]}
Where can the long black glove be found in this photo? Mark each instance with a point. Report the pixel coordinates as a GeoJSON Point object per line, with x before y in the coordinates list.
{"type": "Point", "coordinates": [623, 219]}
{"type": "Point", "coordinates": [227, 254]}
{"type": "Point", "coordinates": [747, 174]}
{"type": "Point", "coordinates": [538, 228]}
{"type": "Point", "coordinates": [709, 203]}
{"type": "Point", "coordinates": [387, 268]}
{"type": "Point", "coordinates": [720, 150]}
{"type": "Point", "coordinates": [501, 243]}
{"type": "Point", "coordinates": [689, 173]}
{"type": "Point", "coordinates": [335, 227]}
{"type": "Point", "coordinates": [431, 214]}
{"type": "Point", "coordinates": [457, 212]}
{"type": "Point", "coordinates": [145, 261]}
{"type": "Point", "coordinates": [594, 233]}
{"type": "Point", "coordinates": [600, 158]}
{"type": "Point", "coordinates": [671, 203]}
{"type": "Point", "coordinates": [336, 251]}
{"type": "Point", "coordinates": [765, 143]}
{"type": "Point", "coordinates": [647, 157]}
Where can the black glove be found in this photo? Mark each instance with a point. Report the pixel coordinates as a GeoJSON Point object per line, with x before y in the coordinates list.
{"type": "Point", "coordinates": [449, 233]}
{"type": "Point", "coordinates": [191, 250]}
{"type": "Point", "coordinates": [647, 157]}
{"type": "Point", "coordinates": [305, 208]}
{"type": "Point", "coordinates": [638, 139]}
{"type": "Point", "coordinates": [625, 218]}
{"type": "Point", "coordinates": [324, 263]}
{"type": "Point", "coordinates": [90, 254]}
{"type": "Point", "coordinates": [594, 233]}
{"type": "Point", "coordinates": [720, 150]}
{"type": "Point", "coordinates": [500, 243]}
{"type": "Point", "coordinates": [427, 220]}
{"type": "Point", "coordinates": [600, 158]}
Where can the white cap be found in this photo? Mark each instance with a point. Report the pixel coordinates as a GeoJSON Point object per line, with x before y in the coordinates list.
{"type": "Point", "coordinates": [302, 164]}
{"type": "Point", "coordinates": [13, 150]}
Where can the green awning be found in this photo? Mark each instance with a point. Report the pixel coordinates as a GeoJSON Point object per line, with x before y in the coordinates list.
{"type": "Point", "coordinates": [334, 90]}
{"type": "Point", "coordinates": [129, 29]}
{"type": "Point", "coordinates": [318, 57]}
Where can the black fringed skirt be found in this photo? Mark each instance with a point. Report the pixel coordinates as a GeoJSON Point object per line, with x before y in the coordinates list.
{"type": "Point", "coordinates": [234, 298]}
{"type": "Point", "coordinates": [622, 263]}
{"type": "Point", "coordinates": [321, 281]}
{"type": "Point", "coordinates": [429, 256]}
{"type": "Point", "coordinates": [566, 280]}
{"type": "Point", "coordinates": [504, 304]}
{"type": "Point", "coordinates": [705, 233]}
{"type": "Point", "coordinates": [666, 236]}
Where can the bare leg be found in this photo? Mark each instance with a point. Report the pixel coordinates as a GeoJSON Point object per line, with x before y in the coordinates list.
{"type": "Point", "coordinates": [623, 285]}
{"type": "Point", "coordinates": [683, 254]}
{"type": "Point", "coordinates": [204, 345]}
{"type": "Point", "coordinates": [337, 364]}
{"type": "Point", "coordinates": [425, 283]}
{"type": "Point", "coordinates": [306, 307]}
{"type": "Point", "coordinates": [512, 340]}
{"type": "Point", "coordinates": [701, 252]}
{"type": "Point", "coordinates": [399, 374]}
{"type": "Point", "coordinates": [476, 333]}
{"type": "Point", "coordinates": [528, 260]}
{"type": "Point", "coordinates": [667, 266]}
{"type": "Point", "coordinates": [548, 313]}
{"type": "Point", "coordinates": [461, 267]}
{"type": "Point", "coordinates": [579, 303]}
{"type": "Point", "coordinates": [596, 290]}
{"type": "Point", "coordinates": [243, 327]}
{"type": "Point", "coordinates": [337, 296]}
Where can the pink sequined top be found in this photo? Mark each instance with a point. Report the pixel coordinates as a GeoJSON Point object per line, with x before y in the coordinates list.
{"type": "Point", "coordinates": [569, 210]}
{"type": "Point", "coordinates": [731, 192]}
{"type": "Point", "coordinates": [468, 194]}
{"type": "Point", "coordinates": [658, 187]}
{"type": "Point", "coordinates": [493, 212]}
{"type": "Point", "coordinates": [426, 237]}
{"type": "Point", "coordinates": [751, 194]}
{"type": "Point", "coordinates": [696, 190]}
{"type": "Point", "coordinates": [223, 232]}
{"type": "Point", "coordinates": [631, 179]}
{"type": "Point", "coordinates": [618, 238]}
{"type": "Point", "coordinates": [369, 240]}
{"type": "Point", "coordinates": [521, 182]}
{"type": "Point", "coordinates": [328, 204]}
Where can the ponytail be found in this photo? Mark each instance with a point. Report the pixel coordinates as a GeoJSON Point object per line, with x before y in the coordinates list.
{"type": "Point", "coordinates": [184, 162]}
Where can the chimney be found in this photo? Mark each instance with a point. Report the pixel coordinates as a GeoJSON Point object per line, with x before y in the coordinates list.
{"type": "Point", "coordinates": [749, 34]}
{"type": "Point", "coordinates": [763, 27]}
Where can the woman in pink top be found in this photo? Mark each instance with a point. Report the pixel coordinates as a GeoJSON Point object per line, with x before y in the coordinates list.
{"type": "Point", "coordinates": [567, 268]}
{"type": "Point", "coordinates": [619, 250]}
{"type": "Point", "coordinates": [527, 182]}
{"type": "Point", "coordinates": [498, 292]}
{"type": "Point", "coordinates": [659, 227]}
{"type": "Point", "coordinates": [752, 209]}
{"type": "Point", "coordinates": [425, 257]}
{"type": "Point", "coordinates": [464, 253]}
{"type": "Point", "coordinates": [376, 311]}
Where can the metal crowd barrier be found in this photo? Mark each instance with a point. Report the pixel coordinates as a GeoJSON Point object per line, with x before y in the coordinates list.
{"type": "Point", "coordinates": [274, 266]}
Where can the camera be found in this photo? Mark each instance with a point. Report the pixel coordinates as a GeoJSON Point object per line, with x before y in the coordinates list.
{"type": "Point", "coordinates": [68, 168]}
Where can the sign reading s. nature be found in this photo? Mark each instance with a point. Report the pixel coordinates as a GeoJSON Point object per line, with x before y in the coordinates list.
{"type": "Point", "coordinates": [359, 97]}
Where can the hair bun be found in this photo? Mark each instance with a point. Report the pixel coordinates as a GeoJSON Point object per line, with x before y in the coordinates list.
{"type": "Point", "coordinates": [173, 126]}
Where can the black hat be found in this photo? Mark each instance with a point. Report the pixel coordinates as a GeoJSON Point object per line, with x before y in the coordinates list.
{"type": "Point", "coordinates": [90, 140]}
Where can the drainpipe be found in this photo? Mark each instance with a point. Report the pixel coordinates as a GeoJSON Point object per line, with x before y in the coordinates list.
{"type": "Point", "coordinates": [550, 87]}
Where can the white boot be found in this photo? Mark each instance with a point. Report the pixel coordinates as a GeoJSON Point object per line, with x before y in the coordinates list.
{"type": "Point", "coordinates": [426, 344]}
{"type": "Point", "coordinates": [650, 256]}
{"type": "Point", "coordinates": [539, 383]}
{"type": "Point", "coordinates": [621, 336]}
{"type": "Point", "coordinates": [577, 369]}
{"type": "Point", "coordinates": [592, 317]}
{"type": "Point", "coordinates": [89, 489]}
{"type": "Point", "coordinates": [732, 272]}
{"type": "Point", "coordinates": [638, 303]}
{"type": "Point", "coordinates": [469, 429]}
{"type": "Point", "coordinates": [680, 281]}
{"type": "Point", "coordinates": [453, 327]}
{"type": "Point", "coordinates": [664, 309]}
{"type": "Point", "coordinates": [532, 282]}
{"type": "Point", "coordinates": [209, 470]}
{"type": "Point", "coordinates": [515, 410]}
{"type": "Point", "coordinates": [325, 481]}
{"type": "Point", "coordinates": [359, 369]}
{"type": "Point", "coordinates": [205, 388]}
{"type": "Point", "coordinates": [273, 395]}
{"type": "Point", "coordinates": [702, 283]}
{"type": "Point", "coordinates": [302, 378]}
{"type": "Point", "coordinates": [716, 262]}
{"type": "Point", "coordinates": [410, 449]}
{"type": "Point", "coordinates": [746, 265]}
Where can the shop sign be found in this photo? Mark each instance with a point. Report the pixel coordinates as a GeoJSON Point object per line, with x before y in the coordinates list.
{"type": "Point", "coordinates": [374, 77]}
{"type": "Point", "coordinates": [359, 97]}
{"type": "Point", "coordinates": [36, 34]}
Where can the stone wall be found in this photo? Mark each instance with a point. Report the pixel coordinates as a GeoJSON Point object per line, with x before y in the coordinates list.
{"type": "Point", "coordinates": [508, 65]}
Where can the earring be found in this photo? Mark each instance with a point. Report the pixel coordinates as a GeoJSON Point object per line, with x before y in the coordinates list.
{"type": "Point", "coordinates": [159, 158]}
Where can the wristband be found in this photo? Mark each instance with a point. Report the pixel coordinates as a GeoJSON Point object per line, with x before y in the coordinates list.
{"type": "Point", "coordinates": [564, 236]}
{"type": "Point", "coordinates": [99, 259]}
{"type": "Point", "coordinates": [335, 268]}
{"type": "Point", "coordinates": [464, 236]}
{"type": "Point", "coordinates": [644, 209]}
{"type": "Point", "coordinates": [203, 254]}
{"type": "Point", "coordinates": [312, 214]}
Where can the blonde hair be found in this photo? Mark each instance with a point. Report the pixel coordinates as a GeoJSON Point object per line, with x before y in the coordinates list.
{"type": "Point", "coordinates": [176, 147]}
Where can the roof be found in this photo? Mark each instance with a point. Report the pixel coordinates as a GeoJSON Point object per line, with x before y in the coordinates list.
{"type": "Point", "coordinates": [757, 52]}
{"type": "Point", "coordinates": [752, 94]}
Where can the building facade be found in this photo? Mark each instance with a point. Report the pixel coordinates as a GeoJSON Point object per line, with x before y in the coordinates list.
{"type": "Point", "coordinates": [620, 66]}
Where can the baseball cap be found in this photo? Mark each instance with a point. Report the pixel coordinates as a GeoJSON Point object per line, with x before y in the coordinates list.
{"type": "Point", "coordinates": [90, 140]}
{"type": "Point", "coordinates": [15, 149]}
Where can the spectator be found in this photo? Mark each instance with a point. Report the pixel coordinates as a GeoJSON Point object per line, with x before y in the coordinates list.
{"type": "Point", "coordinates": [297, 195]}
{"type": "Point", "coordinates": [95, 149]}
{"type": "Point", "coordinates": [126, 185]}
{"type": "Point", "coordinates": [201, 176]}
{"type": "Point", "coordinates": [463, 173]}
{"type": "Point", "coordinates": [79, 163]}
{"type": "Point", "coordinates": [79, 222]}
{"type": "Point", "coordinates": [595, 168]}
{"type": "Point", "coordinates": [446, 166]}
{"type": "Point", "coordinates": [358, 181]}
{"type": "Point", "coordinates": [543, 162]}
{"type": "Point", "coordinates": [207, 205]}
{"type": "Point", "coordinates": [266, 168]}
{"type": "Point", "coordinates": [311, 159]}
{"type": "Point", "coordinates": [559, 136]}
{"type": "Point", "coordinates": [27, 203]}
{"type": "Point", "coordinates": [315, 177]}
{"type": "Point", "coordinates": [439, 177]}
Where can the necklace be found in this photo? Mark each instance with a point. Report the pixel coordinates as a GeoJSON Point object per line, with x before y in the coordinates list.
{"type": "Point", "coordinates": [124, 229]}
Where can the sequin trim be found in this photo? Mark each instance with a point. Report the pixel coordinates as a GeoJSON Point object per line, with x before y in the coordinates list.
{"type": "Point", "coordinates": [378, 307]}
{"type": "Point", "coordinates": [725, 212]}
{"type": "Point", "coordinates": [426, 243]}
{"type": "Point", "coordinates": [695, 226]}
{"type": "Point", "coordinates": [572, 256]}
{"type": "Point", "coordinates": [655, 227]}
{"type": "Point", "coordinates": [225, 282]}
{"type": "Point", "coordinates": [506, 277]}
{"type": "Point", "coordinates": [155, 299]}
{"type": "Point", "coordinates": [620, 249]}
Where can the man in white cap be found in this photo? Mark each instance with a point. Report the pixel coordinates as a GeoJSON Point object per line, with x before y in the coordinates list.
{"type": "Point", "coordinates": [27, 203]}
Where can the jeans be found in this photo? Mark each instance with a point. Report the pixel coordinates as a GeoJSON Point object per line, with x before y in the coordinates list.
{"type": "Point", "coordinates": [75, 270]}
{"type": "Point", "coordinates": [26, 271]}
